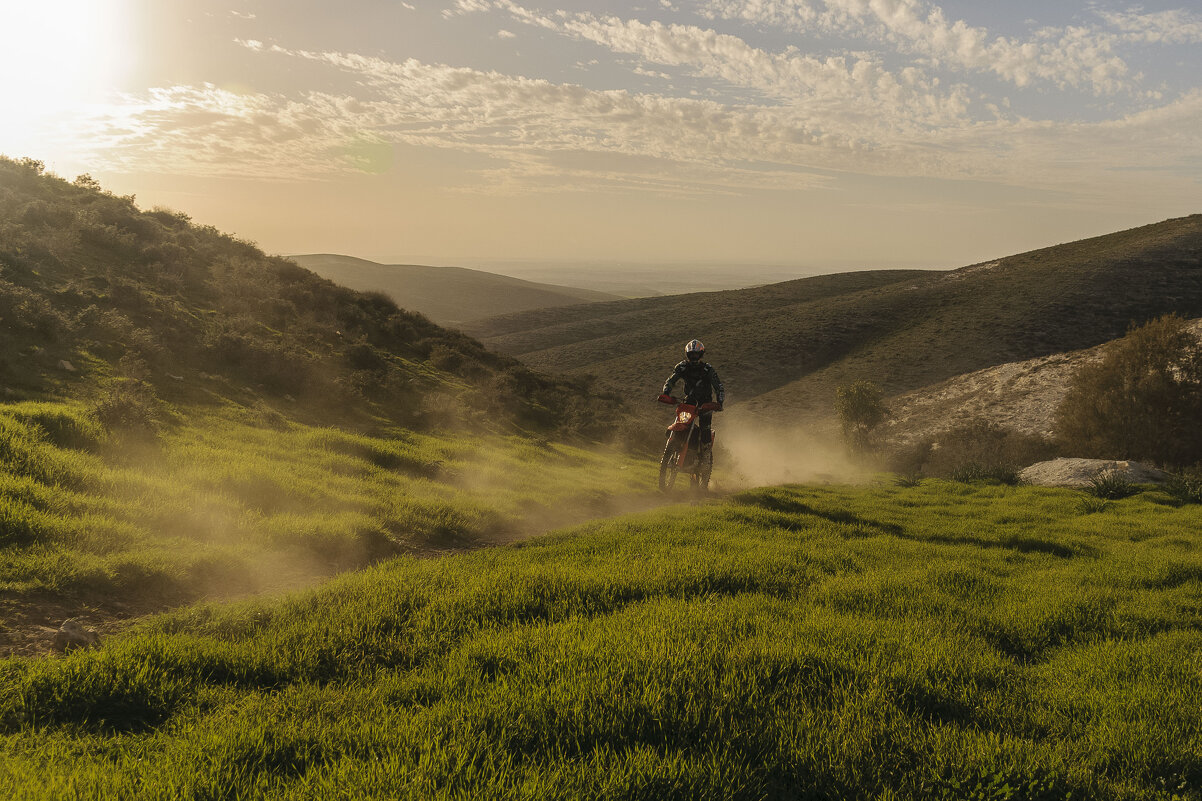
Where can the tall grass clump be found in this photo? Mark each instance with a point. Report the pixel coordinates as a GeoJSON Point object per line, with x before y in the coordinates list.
{"type": "Point", "coordinates": [975, 471]}
{"type": "Point", "coordinates": [1111, 485]}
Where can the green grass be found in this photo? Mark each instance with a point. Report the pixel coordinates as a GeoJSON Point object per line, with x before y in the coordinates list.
{"type": "Point", "coordinates": [218, 504]}
{"type": "Point", "coordinates": [940, 641]}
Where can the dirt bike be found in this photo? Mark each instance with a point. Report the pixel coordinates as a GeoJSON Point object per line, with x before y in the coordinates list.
{"type": "Point", "coordinates": [684, 451]}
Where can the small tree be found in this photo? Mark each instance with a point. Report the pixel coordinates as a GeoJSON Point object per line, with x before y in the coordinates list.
{"type": "Point", "coordinates": [861, 408]}
{"type": "Point", "coordinates": [1142, 400]}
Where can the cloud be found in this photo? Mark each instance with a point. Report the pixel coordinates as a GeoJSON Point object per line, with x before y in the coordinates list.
{"type": "Point", "coordinates": [462, 7]}
{"type": "Point", "coordinates": [1076, 56]}
{"type": "Point", "coordinates": [778, 120]}
{"type": "Point", "coordinates": [855, 98]}
{"type": "Point", "coordinates": [1176, 26]}
{"type": "Point", "coordinates": [206, 130]}
{"type": "Point", "coordinates": [545, 136]}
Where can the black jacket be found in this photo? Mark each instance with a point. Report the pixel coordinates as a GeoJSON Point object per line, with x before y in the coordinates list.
{"type": "Point", "coordinates": [701, 382]}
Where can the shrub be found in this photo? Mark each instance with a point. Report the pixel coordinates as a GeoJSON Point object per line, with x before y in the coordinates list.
{"type": "Point", "coordinates": [978, 450]}
{"type": "Point", "coordinates": [861, 408]}
{"type": "Point", "coordinates": [1111, 485]}
{"type": "Point", "coordinates": [1143, 399]}
{"type": "Point", "coordinates": [128, 405]}
{"type": "Point", "coordinates": [975, 471]}
{"type": "Point", "coordinates": [362, 356]}
{"type": "Point", "coordinates": [446, 359]}
{"type": "Point", "coordinates": [1186, 487]}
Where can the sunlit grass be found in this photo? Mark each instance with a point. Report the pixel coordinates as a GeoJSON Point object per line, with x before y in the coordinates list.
{"type": "Point", "coordinates": [941, 641]}
{"type": "Point", "coordinates": [217, 505]}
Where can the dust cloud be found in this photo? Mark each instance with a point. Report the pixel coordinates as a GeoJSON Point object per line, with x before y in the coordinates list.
{"type": "Point", "coordinates": [752, 450]}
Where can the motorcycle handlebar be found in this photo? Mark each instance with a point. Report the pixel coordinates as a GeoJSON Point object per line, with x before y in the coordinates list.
{"type": "Point", "coordinates": [711, 406]}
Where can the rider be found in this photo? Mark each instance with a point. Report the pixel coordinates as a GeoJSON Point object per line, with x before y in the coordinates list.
{"type": "Point", "coordinates": [701, 383]}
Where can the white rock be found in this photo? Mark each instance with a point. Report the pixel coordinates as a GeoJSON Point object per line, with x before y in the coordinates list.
{"type": "Point", "coordinates": [72, 634]}
{"type": "Point", "coordinates": [1067, 472]}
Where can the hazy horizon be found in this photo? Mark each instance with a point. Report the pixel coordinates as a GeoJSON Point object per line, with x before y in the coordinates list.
{"type": "Point", "coordinates": [641, 279]}
{"type": "Point", "coordinates": [821, 133]}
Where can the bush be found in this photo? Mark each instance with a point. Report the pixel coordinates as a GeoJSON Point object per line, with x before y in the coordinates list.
{"type": "Point", "coordinates": [978, 450]}
{"type": "Point", "coordinates": [1111, 485]}
{"type": "Point", "coordinates": [362, 356]}
{"type": "Point", "coordinates": [974, 471]}
{"type": "Point", "coordinates": [1142, 401]}
{"type": "Point", "coordinates": [1187, 487]}
{"type": "Point", "coordinates": [861, 408]}
{"type": "Point", "coordinates": [128, 405]}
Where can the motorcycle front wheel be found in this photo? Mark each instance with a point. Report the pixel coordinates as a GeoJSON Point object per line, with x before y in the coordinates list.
{"type": "Point", "coordinates": [667, 463]}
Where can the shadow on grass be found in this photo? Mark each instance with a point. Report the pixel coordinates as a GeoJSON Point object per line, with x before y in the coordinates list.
{"type": "Point", "coordinates": [777, 501]}
{"type": "Point", "coordinates": [773, 501]}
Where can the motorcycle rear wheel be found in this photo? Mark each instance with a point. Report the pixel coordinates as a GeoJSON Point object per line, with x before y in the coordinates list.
{"type": "Point", "coordinates": [667, 464]}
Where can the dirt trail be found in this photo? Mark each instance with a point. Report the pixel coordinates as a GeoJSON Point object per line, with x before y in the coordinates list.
{"type": "Point", "coordinates": [28, 622]}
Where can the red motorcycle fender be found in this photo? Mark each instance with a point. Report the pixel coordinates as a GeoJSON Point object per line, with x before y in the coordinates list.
{"type": "Point", "coordinates": [679, 427]}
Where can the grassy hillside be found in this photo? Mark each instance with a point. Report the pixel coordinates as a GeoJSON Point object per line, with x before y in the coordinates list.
{"type": "Point", "coordinates": [182, 416]}
{"type": "Point", "coordinates": [447, 295]}
{"type": "Point", "coordinates": [788, 345]}
{"type": "Point", "coordinates": [233, 501]}
{"type": "Point", "coordinates": [935, 642]}
{"type": "Point", "coordinates": [97, 293]}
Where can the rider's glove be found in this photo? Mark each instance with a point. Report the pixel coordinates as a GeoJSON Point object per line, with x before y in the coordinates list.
{"type": "Point", "coordinates": [665, 398]}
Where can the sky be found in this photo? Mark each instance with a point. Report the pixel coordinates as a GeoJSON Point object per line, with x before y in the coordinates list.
{"type": "Point", "coordinates": [800, 132]}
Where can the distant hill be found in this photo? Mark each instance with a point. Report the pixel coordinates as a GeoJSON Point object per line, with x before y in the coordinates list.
{"type": "Point", "coordinates": [96, 293]}
{"type": "Point", "coordinates": [649, 279]}
{"type": "Point", "coordinates": [787, 346]}
{"type": "Point", "coordinates": [447, 295]}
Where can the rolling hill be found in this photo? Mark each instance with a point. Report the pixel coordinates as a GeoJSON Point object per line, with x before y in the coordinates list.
{"type": "Point", "coordinates": [96, 293]}
{"type": "Point", "coordinates": [447, 295]}
{"type": "Point", "coordinates": [183, 416]}
{"type": "Point", "coordinates": [788, 345]}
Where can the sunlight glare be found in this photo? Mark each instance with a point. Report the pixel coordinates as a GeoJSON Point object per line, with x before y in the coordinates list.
{"type": "Point", "coordinates": [56, 56]}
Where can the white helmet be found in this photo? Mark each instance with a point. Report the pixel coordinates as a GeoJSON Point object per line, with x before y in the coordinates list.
{"type": "Point", "coordinates": [694, 350]}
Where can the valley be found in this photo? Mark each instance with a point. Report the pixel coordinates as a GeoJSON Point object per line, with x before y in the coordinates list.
{"type": "Point", "coordinates": [333, 549]}
{"type": "Point", "coordinates": [785, 347]}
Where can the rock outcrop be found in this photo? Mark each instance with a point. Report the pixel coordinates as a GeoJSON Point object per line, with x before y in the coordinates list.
{"type": "Point", "coordinates": [1080, 472]}
{"type": "Point", "coordinates": [73, 634]}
